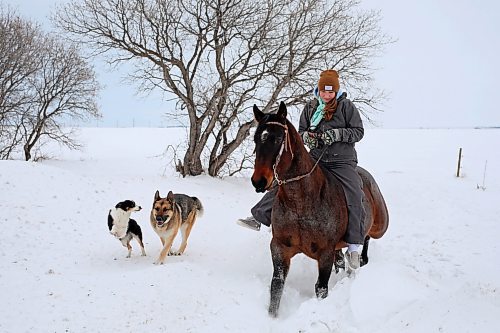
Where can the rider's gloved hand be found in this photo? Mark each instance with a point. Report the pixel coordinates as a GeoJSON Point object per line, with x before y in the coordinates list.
{"type": "Point", "coordinates": [310, 139]}
{"type": "Point", "coordinates": [330, 136]}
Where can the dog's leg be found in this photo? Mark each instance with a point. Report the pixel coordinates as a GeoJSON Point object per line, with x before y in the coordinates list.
{"type": "Point", "coordinates": [129, 249]}
{"type": "Point", "coordinates": [139, 240]}
{"type": "Point", "coordinates": [167, 244]}
{"type": "Point", "coordinates": [186, 231]}
{"type": "Point", "coordinates": [181, 249]}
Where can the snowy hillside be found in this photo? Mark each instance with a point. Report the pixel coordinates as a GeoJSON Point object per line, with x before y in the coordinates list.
{"type": "Point", "coordinates": [436, 269]}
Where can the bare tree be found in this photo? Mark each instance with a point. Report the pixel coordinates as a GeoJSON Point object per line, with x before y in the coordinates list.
{"type": "Point", "coordinates": [219, 57]}
{"type": "Point", "coordinates": [64, 88]}
{"type": "Point", "coordinates": [17, 63]}
{"type": "Point", "coordinates": [43, 84]}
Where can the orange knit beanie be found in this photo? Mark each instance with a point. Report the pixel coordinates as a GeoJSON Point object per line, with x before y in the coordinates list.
{"type": "Point", "coordinates": [329, 81]}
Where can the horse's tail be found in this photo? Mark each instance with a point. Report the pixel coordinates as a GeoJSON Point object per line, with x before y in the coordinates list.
{"type": "Point", "coordinates": [379, 207]}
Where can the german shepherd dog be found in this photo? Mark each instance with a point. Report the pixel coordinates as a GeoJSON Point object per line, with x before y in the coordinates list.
{"type": "Point", "coordinates": [123, 227]}
{"type": "Point", "coordinates": [168, 215]}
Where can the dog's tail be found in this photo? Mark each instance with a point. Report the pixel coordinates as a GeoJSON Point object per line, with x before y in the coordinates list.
{"type": "Point", "coordinates": [198, 206]}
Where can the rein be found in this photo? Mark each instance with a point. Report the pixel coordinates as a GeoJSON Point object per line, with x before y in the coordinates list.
{"type": "Point", "coordinates": [287, 144]}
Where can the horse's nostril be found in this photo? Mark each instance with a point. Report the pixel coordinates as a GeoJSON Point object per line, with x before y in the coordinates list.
{"type": "Point", "coordinates": [260, 185]}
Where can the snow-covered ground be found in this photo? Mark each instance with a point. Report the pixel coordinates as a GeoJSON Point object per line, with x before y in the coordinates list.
{"type": "Point", "coordinates": [435, 270]}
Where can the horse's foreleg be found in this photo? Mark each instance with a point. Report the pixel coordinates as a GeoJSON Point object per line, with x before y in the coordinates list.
{"type": "Point", "coordinates": [325, 264]}
{"type": "Point", "coordinates": [364, 253]}
{"type": "Point", "coordinates": [281, 264]}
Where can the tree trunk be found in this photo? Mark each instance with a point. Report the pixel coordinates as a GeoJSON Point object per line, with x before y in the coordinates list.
{"type": "Point", "coordinates": [27, 152]}
{"type": "Point", "coordinates": [27, 155]}
{"type": "Point", "coordinates": [192, 164]}
{"type": "Point", "coordinates": [217, 161]}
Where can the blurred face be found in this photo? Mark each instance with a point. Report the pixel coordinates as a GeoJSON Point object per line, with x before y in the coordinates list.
{"type": "Point", "coordinates": [327, 96]}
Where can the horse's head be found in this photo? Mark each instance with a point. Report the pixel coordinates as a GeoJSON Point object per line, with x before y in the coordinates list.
{"type": "Point", "coordinates": [271, 140]}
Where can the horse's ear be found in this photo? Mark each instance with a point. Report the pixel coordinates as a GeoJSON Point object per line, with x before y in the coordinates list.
{"type": "Point", "coordinates": [257, 113]}
{"type": "Point", "coordinates": [282, 111]}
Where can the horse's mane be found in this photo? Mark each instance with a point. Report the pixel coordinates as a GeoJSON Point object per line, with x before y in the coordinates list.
{"type": "Point", "coordinates": [294, 133]}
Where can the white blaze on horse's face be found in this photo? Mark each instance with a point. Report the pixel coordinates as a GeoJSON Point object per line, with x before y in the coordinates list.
{"type": "Point", "coordinates": [264, 135]}
{"type": "Point", "coordinates": [271, 138]}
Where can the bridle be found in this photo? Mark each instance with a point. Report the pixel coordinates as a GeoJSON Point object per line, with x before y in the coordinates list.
{"type": "Point", "coordinates": [286, 144]}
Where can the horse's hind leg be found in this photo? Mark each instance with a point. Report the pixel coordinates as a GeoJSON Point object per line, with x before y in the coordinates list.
{"type": "Point", "coordinates": [339, 260]}
{"type": "Point", "coordinates": [364, 253]}
{"type": "Point", "coordinates": [325, 264]}
{"type": "Point", "coordinates": [281, 263]}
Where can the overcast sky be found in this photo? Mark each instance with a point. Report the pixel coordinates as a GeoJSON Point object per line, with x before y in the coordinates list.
{"type": "Point", "coordinates": [441, 72]}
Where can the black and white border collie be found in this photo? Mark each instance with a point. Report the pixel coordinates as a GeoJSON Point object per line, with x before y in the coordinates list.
{"type": "Point", "coordinates": [123, 227]}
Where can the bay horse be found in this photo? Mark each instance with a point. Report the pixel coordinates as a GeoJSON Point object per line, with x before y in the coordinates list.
{"type": "Point", "coordinates": [309, 213]}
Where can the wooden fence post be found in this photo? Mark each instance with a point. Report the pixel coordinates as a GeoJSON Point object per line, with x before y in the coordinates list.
{"type": "Point", "coordinates": [459, 161]}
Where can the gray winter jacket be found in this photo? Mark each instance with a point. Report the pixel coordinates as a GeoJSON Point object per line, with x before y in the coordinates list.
{"type": "Point", "coordinates": [349, 124]}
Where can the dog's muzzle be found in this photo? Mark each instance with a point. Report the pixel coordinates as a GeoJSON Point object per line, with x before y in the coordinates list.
{"type": "Point", "coordinates": [160, 220]}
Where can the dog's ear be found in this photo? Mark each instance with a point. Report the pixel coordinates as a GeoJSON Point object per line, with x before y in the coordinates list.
{"type": "Point", "coordinates": [157, 195]}
{"type": "Point", "coordinates": [128, 205]}
{"type": "Point", "coordinates": [170, 197]}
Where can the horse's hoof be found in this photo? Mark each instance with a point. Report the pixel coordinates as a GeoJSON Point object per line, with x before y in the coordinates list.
{"type": "Point", "coordinates": [322, 292]}
{"type": "Point", "coordinates": [273, 313]}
